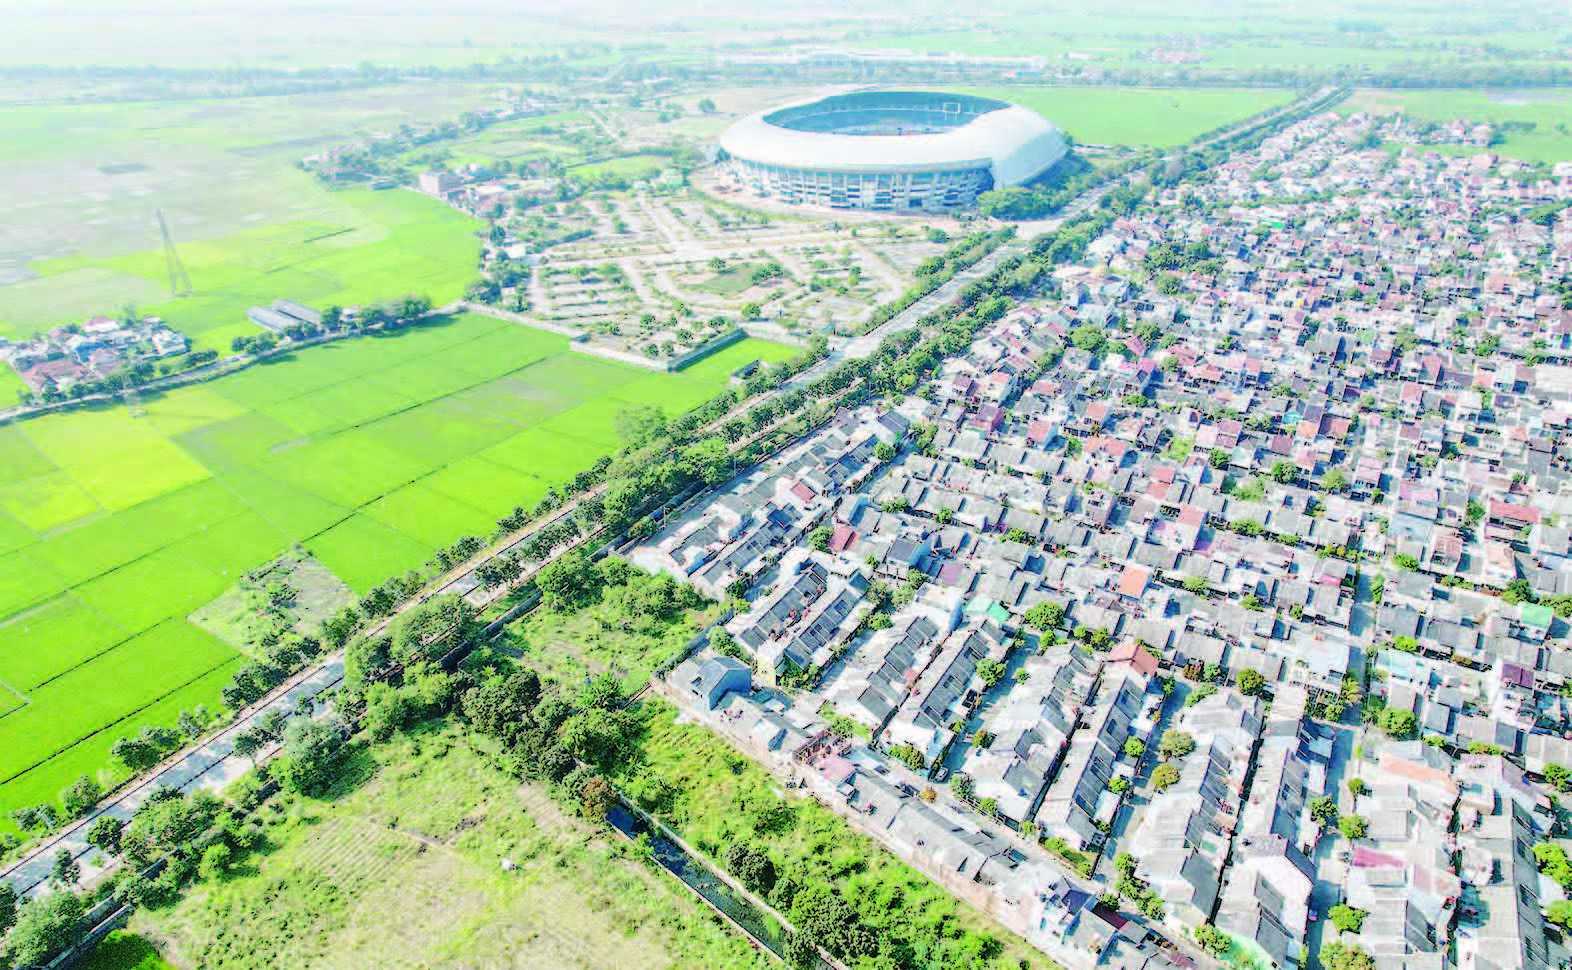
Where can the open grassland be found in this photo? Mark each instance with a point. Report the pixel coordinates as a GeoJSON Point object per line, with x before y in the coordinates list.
{"type": "Point", "coordinates": [405, 871]}
{"type": "Point", "coordinates": [524, 140]}
{"type": "Point", "coordinates": [383, 245]}
{"type": "Point", "coordinates": [716, 798]}
{"type": "Point", "coordinates": [81, 186]}
{"type": "Point", "coordinates": [1549, 110]}
{"type": "Point", "coordinates": [631, 167]}
{"type": "Point", "coordinates": [1159, 117]}
{"type": "Point", "coordinates": [627, 632]}
{"type": "Point", "coordinates": [117, 523]}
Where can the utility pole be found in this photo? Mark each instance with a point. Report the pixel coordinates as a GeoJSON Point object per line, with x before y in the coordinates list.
{"type": "Point", "coordinates": [179, 279]}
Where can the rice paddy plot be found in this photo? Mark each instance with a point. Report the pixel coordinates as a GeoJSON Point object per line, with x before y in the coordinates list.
{"type": "Point", "coordinates": [76, 631]}
{"type": "Point", "coordinates": [363, 552]}
{"type": "Point", "coordinates": [370, 453]}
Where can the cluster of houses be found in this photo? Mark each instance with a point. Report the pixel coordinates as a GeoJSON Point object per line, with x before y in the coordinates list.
{"type": "Point", "coordinates": [90, 351]}
{"type": "Point", "coordinates": [1293, 440]}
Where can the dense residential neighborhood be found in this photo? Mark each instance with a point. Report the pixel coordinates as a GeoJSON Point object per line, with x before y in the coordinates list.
{"type": "Point", "coordinates": [1215, 601]}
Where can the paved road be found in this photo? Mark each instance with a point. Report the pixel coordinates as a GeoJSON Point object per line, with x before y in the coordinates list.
{"type": "Point", "coordinates": [210, 766]}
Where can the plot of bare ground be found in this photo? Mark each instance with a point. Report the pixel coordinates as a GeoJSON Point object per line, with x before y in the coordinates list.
{"type": "Point", "coordinates": [406, 872]}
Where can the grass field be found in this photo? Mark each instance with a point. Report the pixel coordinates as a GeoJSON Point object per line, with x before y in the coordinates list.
{"type": "Point", "coordinates": [116, 524]}
{"type": "Point", "coordinates": [1550, 111]}
{"type": "Point", "coordinates": [1159, 117]}
{"type": "Point", "coordinates": [369, 879]}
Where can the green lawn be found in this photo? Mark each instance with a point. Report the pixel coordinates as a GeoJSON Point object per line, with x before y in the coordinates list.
{"type": "Point", "coordinates": [1549, 110]}
{"type": "Point", "coordinates": [1159, 117]}
{"type": "Point", "coordinates": [116, 524]}
{"type": "Point", "coordinates": [405, 871]}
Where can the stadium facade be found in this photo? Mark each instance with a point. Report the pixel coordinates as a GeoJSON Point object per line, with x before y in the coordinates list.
{"type": "Point", "coordinates": [895, 151]}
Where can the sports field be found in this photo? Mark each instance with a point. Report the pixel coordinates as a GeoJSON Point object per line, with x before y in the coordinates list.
{"type": "Point", "coordinates": [1549, 110]}
{"type": "Point", "coordinates": [117, 523]}
{"type": "Point", "coordinates": [1157, 117]}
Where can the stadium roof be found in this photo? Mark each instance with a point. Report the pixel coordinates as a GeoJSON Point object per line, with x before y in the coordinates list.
{"type": "Point", "coordinates": [1015, 144]}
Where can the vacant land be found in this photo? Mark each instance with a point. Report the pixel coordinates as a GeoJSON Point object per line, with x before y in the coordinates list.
{"type": "Point", "coordinates": [1548, 110]}
{"type": "Point", "coordinates": [716, 798]}
{"type": "Point", "coordinates": [1157, 117]}
{"type": "Point", "coordinates": [117, 523]}
{"type": "Point", "coordinates": [631, 629]}
{"type": "Point", "coordinates": [367, 880]}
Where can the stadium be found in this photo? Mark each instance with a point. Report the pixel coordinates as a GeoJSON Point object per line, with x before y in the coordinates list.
{"type": "Point", "coordinates": [889, 150]}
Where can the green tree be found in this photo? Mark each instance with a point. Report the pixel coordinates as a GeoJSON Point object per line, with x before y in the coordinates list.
{"type": "Point", "coordinates": [1558, 912]}
{"type": "Point", "coordinates": [1046, 615]}
{"type": "Point", "coordinates": [105, 833]}
{"type": "Point", "coordinates": [1213, 940]}
{"type": "Point", "coordinates": [1353, 827]}
{"type": "Point", "coordinates": [1164, 775]}
{"type": "Point", "coordinates": [1339, 956]}
{"type": "Point", "coordinates": [312, 754]}
{"type": "Point", "coordinates": [1346, 918]}
{"type": "Point", "coordinates": [820, 538]}
{"type": "Point", "coordinates": [1175, 743]}
{"type": "Point", "coordinates": [7, 907]}
{"type": "Point", "coordinates": [44, 927]}
{"type": "Point", "coordinates": [1133, 748]}
{"type": "Point", "coordinates": [1283, 471]}
{"type": "Point", "coordinates": [1399, 722]}
{"type": "Point", "coordinates": [65, 871]}
{"type": "Point", "coordinates": [81, 796]}
{"type": "Point", "coordinates": [1251, 682]}
{"type": "Point", "coordinates": [752, 866]}
{"type": "Point", "coordinates": [1323, 811]}
{"type": "Point", "coordinates": [1218, 458]}
{"type": "Point", "coordinates": [568, 583]}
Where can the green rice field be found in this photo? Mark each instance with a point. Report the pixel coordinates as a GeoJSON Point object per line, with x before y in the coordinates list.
{"type": "Point", "coordinates": [383, 244]}
{"type": "Point", "coordinates": [117, 523]}
{"type": "Point", "coordinates": [1156, 117]}
{"type": "Point", "coordinates": [1548, 109]}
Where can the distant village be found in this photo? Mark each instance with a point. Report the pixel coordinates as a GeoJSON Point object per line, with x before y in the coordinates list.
{"type": "Point", "coordinates": [100, 348]}
{"type": "Point", "coordinates": [1215, 602]}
